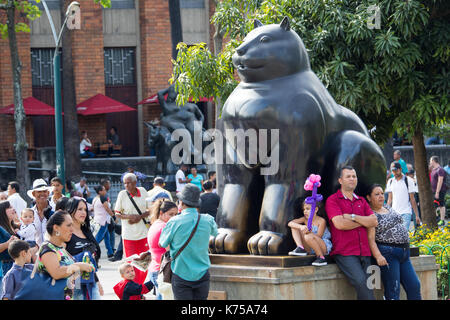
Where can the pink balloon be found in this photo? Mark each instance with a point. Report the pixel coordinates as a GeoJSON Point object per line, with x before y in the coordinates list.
{"type": "Point", "coordinates": [308, 185]}
{"type": "Point", "coordinates": [314, 178]}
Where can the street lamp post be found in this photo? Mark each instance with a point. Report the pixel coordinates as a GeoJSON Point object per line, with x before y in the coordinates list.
{"type": "Point", "coordinates": [60, 169]}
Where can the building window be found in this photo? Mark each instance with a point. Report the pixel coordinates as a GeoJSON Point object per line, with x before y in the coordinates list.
{"type": "Point", "coordinates": [119, 66]}
{"type": "Point", "coordinates": [42, 67]}
{"type": "Point", "coordinates": [189, 4]}
{"type": "Point", "coordinates": [122, 4]}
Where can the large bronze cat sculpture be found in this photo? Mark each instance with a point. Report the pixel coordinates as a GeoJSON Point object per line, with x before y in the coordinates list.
{"type": "Point", "coordinates": [279, 91]}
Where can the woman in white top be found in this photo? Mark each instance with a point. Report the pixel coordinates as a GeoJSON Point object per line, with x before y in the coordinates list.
{"type": "Point", "coordinates": [102, 215]}
{"type": "Point", "coordinates": [85, 146]}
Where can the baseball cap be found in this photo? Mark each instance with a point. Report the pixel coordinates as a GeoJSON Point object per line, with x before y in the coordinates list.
{"type": "Point", "coordinates": [158, 180]}
{"type": "Point", "coordinates": [396, 165]}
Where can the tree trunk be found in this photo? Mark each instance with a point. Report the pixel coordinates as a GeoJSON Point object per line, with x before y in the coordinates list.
{"type": "Point", "coordinates": [175, 25]}
{"type": "Point", "coordinates": [21, 146]}
{"type": "Point", "coordinates": [218, 44]}
{"type": "Point", "coordinates": [423, 181]}
{"type": "Point", "coordinates": [72, 157]}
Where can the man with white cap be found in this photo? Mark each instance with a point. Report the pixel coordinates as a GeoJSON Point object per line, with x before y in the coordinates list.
{"type": "Point", "coordinates": [42, 209]}
{"type": "Point", "coordinates": [158, 188]}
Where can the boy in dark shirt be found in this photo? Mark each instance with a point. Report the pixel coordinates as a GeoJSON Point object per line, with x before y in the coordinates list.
{"type": "Point", "coordinates": [209, 200]}
{"type": "Point", "coordinates": [19, 250]}
{"type": "Point", "coordinates": [127, 289]}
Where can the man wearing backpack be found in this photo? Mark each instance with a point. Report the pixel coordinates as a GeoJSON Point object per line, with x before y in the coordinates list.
{"type": "Point", "coordinates": [400, 191]}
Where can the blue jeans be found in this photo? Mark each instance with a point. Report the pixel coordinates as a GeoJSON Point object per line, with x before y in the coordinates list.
{"type": "Point", "coordinates": [399, 271]}
{"type": "Point", "coordinates": [112, 238]}
{"type": "Point", "coordinates": [87, 154]}
{"type": "Point", "coordinates": [103, 233]}
{"type": "Point", "coordinates": [406, 220]}
{"type": "Point", "coordinates": [78, 293]}
{"type": "Point", "coordinates": [153, 278]}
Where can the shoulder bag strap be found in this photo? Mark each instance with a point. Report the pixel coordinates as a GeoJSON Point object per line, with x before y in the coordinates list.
{"type": "Point", "coordinates": [137, 208]}
{"type": "Point", "coordinates": [188, 240]}
{"type": "Point", "coordinates": [134, 203]}
{"type": "Point", "coordinates": [407, 188]}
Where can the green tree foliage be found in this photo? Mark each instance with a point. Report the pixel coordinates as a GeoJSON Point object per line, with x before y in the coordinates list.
{"type": "Point", "coordinates": [198, 73]}
{"type": "Point", "coordinates": [26, 8]}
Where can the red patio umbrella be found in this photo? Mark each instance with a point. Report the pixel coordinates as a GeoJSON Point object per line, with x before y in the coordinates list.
{"type": "Point", "coordinates": [33, 107]}
{"type": "Point", "coordinates": [154, 99]}
{"type": "Point", "coordinates": [99, 104]}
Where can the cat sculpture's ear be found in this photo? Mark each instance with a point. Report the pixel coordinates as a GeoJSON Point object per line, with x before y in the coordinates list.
{"type": "Point", "coordinates": [285, 24]}
{"type": "Point", "coordinates": [257, 23]}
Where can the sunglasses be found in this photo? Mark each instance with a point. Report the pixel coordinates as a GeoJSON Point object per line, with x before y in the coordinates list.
{"type": "Point", "coordinates": [79, 198]}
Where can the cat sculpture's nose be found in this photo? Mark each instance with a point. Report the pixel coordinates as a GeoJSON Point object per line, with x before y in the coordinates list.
{"type": "Point", "coordinates": [241, 50]}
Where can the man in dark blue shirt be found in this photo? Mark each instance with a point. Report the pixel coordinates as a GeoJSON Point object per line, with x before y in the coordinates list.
{"type": "Point", "coordinates": [209, 201]}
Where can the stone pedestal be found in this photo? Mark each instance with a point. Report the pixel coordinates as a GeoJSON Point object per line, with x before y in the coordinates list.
{"type": "Point", "coordinates": [246, 277]}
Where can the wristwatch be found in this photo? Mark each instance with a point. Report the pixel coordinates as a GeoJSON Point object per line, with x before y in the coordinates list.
{"type": "Point", "coordinates": [353, 217]}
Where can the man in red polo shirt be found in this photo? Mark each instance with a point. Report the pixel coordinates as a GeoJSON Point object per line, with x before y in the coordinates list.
{"type": "Point", "coordinates": [349, 217]}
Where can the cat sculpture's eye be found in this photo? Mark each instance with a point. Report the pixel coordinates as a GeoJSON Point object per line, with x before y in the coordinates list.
{"type": "Point", "coordinates": [264, 39]}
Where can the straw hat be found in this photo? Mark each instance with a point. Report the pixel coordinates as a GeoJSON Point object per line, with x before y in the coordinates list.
{"type": "Point", "coordinates": [38, 185]}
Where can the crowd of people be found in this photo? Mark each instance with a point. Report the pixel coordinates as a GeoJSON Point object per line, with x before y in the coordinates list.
{"type": "Point", "coordinates": [57, 233]}
{"type": "Point", "coordinates": [67, 226]}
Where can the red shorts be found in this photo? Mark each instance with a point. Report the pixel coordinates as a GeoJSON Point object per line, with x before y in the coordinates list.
{"type": "Point", "coordinates": [131, 247]}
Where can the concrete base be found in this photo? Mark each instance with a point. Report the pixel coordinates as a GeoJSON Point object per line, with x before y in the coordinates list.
{"type": "Point", "coordinates": [252, 282]}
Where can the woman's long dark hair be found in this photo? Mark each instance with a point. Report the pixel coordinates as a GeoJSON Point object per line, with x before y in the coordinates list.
{"type": "Point", "coordinates": [61, 203]}
{"type": "Point", "coordinates": [56, 219]}
{"type": "Point", "coordinates": [71, 208]}
{"type": "Point", "coordinates": [4, 222]}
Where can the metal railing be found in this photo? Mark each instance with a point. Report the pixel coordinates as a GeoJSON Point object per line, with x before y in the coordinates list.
{"type": "Point", "coordinates": [440, 258]}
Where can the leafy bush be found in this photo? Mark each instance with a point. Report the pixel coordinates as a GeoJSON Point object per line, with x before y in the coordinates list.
{"type": "Point", "coordinates": [436, 242]}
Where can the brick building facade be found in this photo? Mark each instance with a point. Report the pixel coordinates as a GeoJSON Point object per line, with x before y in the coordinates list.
{"type": "Point", "coordinates": [123, 52]}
